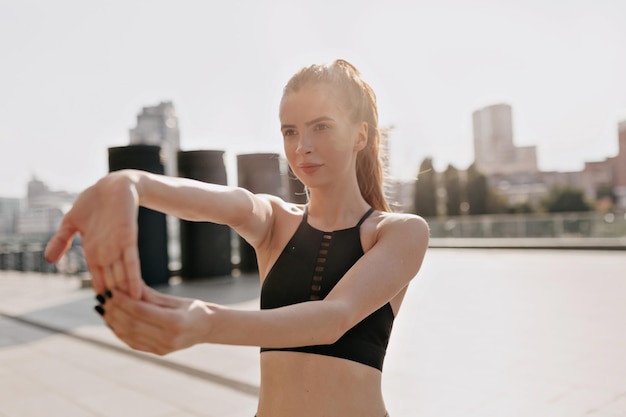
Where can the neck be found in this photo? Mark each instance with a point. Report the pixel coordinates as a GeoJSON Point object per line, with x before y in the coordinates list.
{"type": "Point", "coordinates": [336, 208]}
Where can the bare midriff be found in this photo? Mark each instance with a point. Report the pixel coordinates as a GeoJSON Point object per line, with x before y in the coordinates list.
{"type": "Point", "coordinates": [310, 385]}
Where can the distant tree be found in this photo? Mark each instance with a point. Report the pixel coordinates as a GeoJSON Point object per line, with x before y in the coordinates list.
{"type": "Point", "coordinates": [425, 195]}
{"type": "Point", "coordinates": [521, 208]}
{"type": "Point", "coordinates": [606, 192]}
{"type": "Point", "coordinates": [477, 191]}
{"type": "Point", "coordinates": [496, 202]}
{"type": "Point", "coordinates": [605, 199]}
{"type": "Point", "coordinates": [453, 191]}
{"type": "Point", "coordinates": [565, 199]}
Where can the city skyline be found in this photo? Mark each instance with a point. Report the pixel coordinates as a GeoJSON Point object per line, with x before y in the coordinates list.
{"type": "Point", "coordinates": [76, 78]}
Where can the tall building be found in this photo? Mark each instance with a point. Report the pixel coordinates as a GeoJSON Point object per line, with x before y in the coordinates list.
{"type": "Point", "coordinates": [9, 209]}
{"type": "Point", "coordinates": [494, 150]}
{"type": "Point", "coordinates": [599, 178]}
{"type": "Point", "coordinates": [158, 125]}
{"type": "Point", "coordinates": [620, 166]}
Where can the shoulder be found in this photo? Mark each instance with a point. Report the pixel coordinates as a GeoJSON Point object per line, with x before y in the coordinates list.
{"type": "Point", "coordinates": [394, 229]}
{"type": "Point", "coordinates": [283, 216]}
{"type": "Point", "coordinates": [399, 230]}
{"type": "Point", "coordinates": [273, 205]}
{"type": "Point", "coordinates": [398, 239]}
{"type": "Point", "coordinates": [281, 208]}
{"type": "Point", "coordinates": [402, 225]}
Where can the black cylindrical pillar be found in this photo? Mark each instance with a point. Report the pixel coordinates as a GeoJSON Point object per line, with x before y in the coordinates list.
{"type": "Point", "coordinates": [258, 173]}
{"type": "Point", "coordinates": [152, 228]}
{"type": "Point", "coordinates": [3, 259]}
{"type": "Point", "coordinates": [205, 248]}
{"type": "Point", "coordinates": [5, 255]}
{"type": "Point", "coordinates": [20, 258]}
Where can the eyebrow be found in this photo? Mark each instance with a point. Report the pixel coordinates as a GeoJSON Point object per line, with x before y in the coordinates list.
{"type": "Point", "coordinates": [312, 122]}
{"type": "Point", "coordinates": [320, 119]}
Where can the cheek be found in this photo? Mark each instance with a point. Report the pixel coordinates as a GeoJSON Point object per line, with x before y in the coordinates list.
{"type": "Point", "coordinates": [288, 145]}
{"type": "Point", "coordinates": [289, 151]}
{"type": "Point", "coordinates": [343, 142]}
{"type": "Point", "coordinates": [341, 145]}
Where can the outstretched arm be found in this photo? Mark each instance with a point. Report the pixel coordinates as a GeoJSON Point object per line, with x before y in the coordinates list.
{"type": "Point", "coordinates": [105, 215]}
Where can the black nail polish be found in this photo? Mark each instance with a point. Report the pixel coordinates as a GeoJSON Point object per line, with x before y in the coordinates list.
{"type": "Point", "coordinates": [100, 298]}
{"type": "Point", "coordinates": [108, 293]}
{"type": "Point", "coordinates": [99, 310]}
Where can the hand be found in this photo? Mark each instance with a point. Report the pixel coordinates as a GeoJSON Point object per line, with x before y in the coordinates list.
{"type": "Point", "coordinates": [157, 323]}
{"type": "Point", "coordinates": [105, 215]}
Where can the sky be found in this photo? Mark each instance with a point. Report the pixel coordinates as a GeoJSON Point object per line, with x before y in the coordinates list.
{"type": "Point", "coordinates": [74, 74]}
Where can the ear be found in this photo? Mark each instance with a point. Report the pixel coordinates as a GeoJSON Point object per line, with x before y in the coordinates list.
{"type": "Point", "coordinates": [361, 140]}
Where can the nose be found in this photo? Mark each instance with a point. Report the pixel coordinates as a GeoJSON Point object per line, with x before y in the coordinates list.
{"type": "Point", "coordinates": [305, 144]}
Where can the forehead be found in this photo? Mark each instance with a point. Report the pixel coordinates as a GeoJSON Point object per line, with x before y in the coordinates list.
{"type": "Point", "coordinates": [310, 102]}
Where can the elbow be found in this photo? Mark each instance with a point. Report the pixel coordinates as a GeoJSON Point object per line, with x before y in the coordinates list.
{"type": "Point", "coordinates": [338, 325]}
{"type": "Point", "coordinates": [334, 337]}
{"type": "Point", "coordinates": [330, 336]}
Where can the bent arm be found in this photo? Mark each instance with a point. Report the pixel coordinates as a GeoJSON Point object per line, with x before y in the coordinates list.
{"type": "Point", "coordinates": [379, 275]}
{"type": "Point", "coordinates": [382, 273]}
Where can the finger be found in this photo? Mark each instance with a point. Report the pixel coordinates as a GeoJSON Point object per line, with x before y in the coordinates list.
{"type": "Point", "coordinates": [117, 270]}
{"type": "Point", "coordinates": [114, 280]}
{"type": "Point", "coordinates": [133, 271]}
{"type": "Point", "coordinates": [60, 242]}
{"type": "Point", "coordinates": [97, 278]}
{"type": "Point", "coordinates": [132, 331]}
{"type": "Point", "coordinates": [109, 279]}
{"type": "Point", "coordinates": [150, 295]}
{"type": "Point", "coordinates": [142, 325]}
{"type": "Point", "coordinates": [158, 316]}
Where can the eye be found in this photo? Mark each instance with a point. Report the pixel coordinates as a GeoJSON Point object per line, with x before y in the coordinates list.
{"type": "Point", "coordinates": [289, 132]}
{"type": "Point", "coordinates": [321, 126]}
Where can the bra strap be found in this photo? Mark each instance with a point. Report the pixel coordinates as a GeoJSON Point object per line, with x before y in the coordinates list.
{"type": "Point", "coordinates": [365, 216]}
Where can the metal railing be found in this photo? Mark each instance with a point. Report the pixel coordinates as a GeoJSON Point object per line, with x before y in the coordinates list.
{"type": "Point", "coordinates": [606, 230]}
{"type": "Point", "coordinates": [561, 225]}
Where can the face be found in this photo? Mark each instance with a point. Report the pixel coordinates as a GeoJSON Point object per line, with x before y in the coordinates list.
{"type": "Point", "coordinates": [321, 142]}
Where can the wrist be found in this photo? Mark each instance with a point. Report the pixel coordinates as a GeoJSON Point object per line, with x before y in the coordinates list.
{"type": "Point", "coordinates": [130, 179]}
{"type": "Point", "coordinates": [202, 324]}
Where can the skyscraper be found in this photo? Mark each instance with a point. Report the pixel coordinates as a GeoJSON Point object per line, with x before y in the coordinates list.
{"type": "Point", "coordinates": [494, 150]}
{"type": "Point", "coordinates": [158, 125]}
{"type": "Point", "coordinates": [620, 166]}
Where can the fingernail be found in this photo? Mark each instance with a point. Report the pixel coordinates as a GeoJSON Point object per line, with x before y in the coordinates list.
{"type": "Point", "coordinates": [100, 298]}
{"type": "Point", "coordinates": [108, 293]}
{"type": "Point", "coordinates": [99, 310]}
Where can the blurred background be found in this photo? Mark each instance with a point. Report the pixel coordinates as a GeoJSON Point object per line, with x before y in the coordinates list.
{"type": "Point", "coordinates": [506, 128]}
{"type": "Point", "coordinates": [502, 119]}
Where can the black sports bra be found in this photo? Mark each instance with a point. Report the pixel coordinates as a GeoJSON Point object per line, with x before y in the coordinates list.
{"type": "Point", "coordinates": [308, 268]}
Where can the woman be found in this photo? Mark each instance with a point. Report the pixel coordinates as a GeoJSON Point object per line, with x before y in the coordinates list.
{"type": "Point", "coordinates": [333, 272]}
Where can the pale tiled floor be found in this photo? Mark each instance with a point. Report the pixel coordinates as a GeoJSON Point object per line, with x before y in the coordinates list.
{"type": "Point", "coordinates": [54, 375]}
{"type": "Point", "coordinates": [482, 333]}
{"type": "Point", "coordinates": [512, 333]}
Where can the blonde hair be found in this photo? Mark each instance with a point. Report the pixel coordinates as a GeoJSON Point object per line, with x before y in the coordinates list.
{"type": "Point", "coordinates": [360, 101]}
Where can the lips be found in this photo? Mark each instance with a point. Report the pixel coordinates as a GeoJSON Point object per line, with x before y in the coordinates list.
{"type": "Point", "coordinates": [309, 168]}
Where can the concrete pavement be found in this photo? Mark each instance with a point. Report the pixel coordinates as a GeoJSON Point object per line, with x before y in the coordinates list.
{"type": "Point", "coordinates": [482, 333]}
